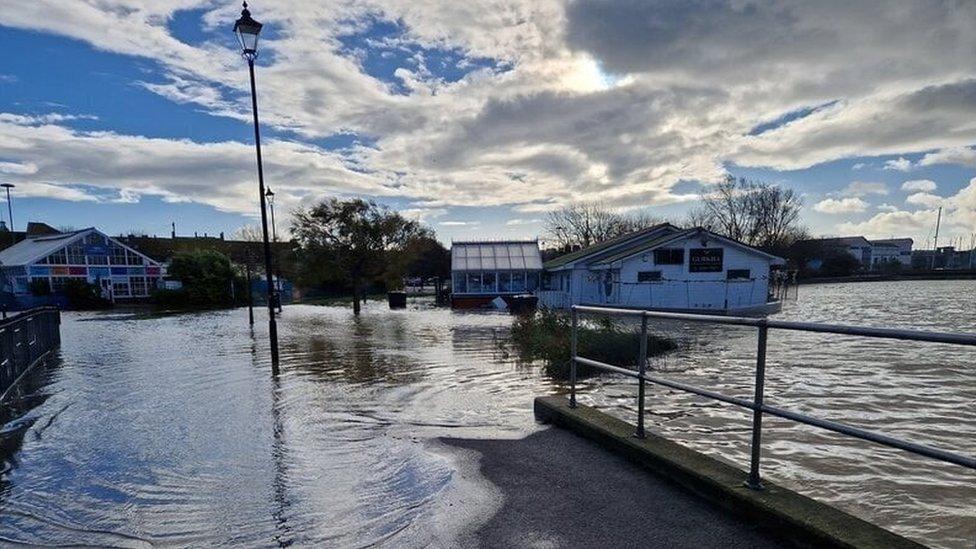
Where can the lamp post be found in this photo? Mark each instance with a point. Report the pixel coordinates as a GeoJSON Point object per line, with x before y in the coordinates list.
{"type": "Point", "coordinates": [274, 238]}
{"type": "Point", "coordinates": [247, 31]}
{"type": "Point", "coordinates": [10, 208]}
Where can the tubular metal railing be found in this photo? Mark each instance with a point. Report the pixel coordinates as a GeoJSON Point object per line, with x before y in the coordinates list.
{"type": "Point", "coordinates": [757, 404]}
{"type": "Point", "coordinates": [24, 339]}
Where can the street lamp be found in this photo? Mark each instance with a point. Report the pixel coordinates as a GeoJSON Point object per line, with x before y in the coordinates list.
{"type": "Point", "coordinates": [10, 208]}
{"type": "Point", "coordinates": [247, 31]}
{"type": "Point", "coordinates": [274, 238]}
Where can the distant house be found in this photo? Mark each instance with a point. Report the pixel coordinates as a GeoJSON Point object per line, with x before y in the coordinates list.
{"type": "Point", "coordinates": [482, 271]}
{"type": "Point", "coordinates": [870, 254]}
{"type": "Point", "coordinates": [664, 267]}
{"type": "Point", "coordinates": [49, 259]}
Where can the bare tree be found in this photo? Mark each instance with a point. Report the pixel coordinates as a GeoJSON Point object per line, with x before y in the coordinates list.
{"type": "Point", "coordinates": [756, 213]}
{"type": "Point", "coordinates": [582, 225]}
{"type": "Point", "coordinates": [248, 233]}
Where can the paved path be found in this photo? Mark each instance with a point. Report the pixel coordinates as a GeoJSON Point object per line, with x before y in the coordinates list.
{"type": "Point", "coordinates": [562, 490]}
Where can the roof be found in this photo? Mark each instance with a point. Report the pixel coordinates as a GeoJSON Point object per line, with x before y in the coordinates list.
{"type": "Point", "coordinates": [492, 256]}
{"type": "Point", "coordinates": [842, 241]}
{"type": "Point", "coordinates": [606, 245]}
{"type": "Point", "coordinates": [642, 247]}
{"type": "Point", "coordinates": [893, 242]}
{"type": "Point", "coordinates": [35, 247]}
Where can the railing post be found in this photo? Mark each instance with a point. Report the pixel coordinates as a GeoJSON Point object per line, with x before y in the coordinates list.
{"type": "Point", "coordinates": [572, 359]}
{"type": "Point", "coordinates": [755, 481]}
{"type": "Point", "coordinates": [641, 365]}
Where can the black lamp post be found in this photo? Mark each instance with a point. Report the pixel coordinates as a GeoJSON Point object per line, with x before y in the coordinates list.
{"type": "Point", "coordinates": [274, 238]}
{"type": "Point", "coordinates": [247, 31]}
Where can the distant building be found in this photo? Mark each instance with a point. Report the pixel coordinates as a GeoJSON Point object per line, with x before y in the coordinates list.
{"type": "Point", "coordinates": [891, 250]}
{"type": "Point", "coordinates": [664, 267]}
{"type": "Point", "coordinates": [482, 271]}
{"type": "Point", "coordinates": [870, 254]}
{"type": "Point", "coordinates": [45, 259]}
{"type": "Point", "coordinates": [944, 258]}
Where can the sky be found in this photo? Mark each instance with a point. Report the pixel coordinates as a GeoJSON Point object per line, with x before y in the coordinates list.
{"type": "Point", "coordinates": [477, 118]}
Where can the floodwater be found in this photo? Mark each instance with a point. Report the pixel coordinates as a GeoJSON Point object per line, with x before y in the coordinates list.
{"type": "Point", "coordinates": [171, 431]}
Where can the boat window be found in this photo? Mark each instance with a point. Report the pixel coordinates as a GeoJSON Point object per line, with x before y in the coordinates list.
{"type": "Point", "coordinates": [738, 274]}
{"type": "Point", "coordinates": [648, 276]}
{"type": "Point", "coordinates": [669, 256]}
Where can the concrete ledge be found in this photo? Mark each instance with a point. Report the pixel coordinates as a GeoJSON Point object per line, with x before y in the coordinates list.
{"type": "Point", "coordinates": [796, 517]}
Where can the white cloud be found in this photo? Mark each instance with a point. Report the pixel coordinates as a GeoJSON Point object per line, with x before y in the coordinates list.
{"type": "Point", "coordinates": [610, 101]}
{"type": "Point", "coordinates": [902, 164]}
{"type": "Point", "coordinates": [864, 188]}
{"type": "Point", "coordinates": [887, 208]}
{"type": "Point", "coordinates": [963, 156]}
{"type": "Point", "coordinates": [921, 185]}
{"type": "Point", "coordinates": [459, 223]}
{"type": "Point", "coordinates": [927, 200]}
{"type": "Point", "coordinates": [958, 219]}
{"type": "Point", "coordinates": [842, 205]}
{"type": "Point", "coordinates": [521, 221]}
{"type": "Point", "coordinates": [859, 166]}
{"type": "Point", "coordinates": [18, 168]}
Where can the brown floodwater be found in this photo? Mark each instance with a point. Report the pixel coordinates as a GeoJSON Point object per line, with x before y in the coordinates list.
{"type": "Point", "coordinates": [170, 430]}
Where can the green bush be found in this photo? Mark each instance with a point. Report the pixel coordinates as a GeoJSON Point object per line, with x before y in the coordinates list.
{"type": "Point", "coordinates": [547, 335]}
{"type": "Point", "coordinates": [206, 275]}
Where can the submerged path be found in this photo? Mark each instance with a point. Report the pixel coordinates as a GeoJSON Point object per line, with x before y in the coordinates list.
{"type": "Point", "coordinates": [562, 490]}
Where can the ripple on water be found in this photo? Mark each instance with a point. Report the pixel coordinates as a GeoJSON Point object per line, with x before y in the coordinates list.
{"type": "Point", "coordinates": [169, 430]}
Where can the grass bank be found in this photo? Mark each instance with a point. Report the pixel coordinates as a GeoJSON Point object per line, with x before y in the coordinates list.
{"type": "Point", "coordinates": [546, 335]}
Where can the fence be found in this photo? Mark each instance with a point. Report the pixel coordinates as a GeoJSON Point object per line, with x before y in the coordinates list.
{"type": "Point", "coordinates": [25, 339]}
{"type": "Point", "coordinates": [757, 405]}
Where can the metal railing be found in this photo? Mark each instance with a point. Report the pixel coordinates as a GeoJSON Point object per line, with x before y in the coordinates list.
{"type": "Point", "coordinates": [757, 404]}
{"type": "Point", "coordinates": [25, 338]}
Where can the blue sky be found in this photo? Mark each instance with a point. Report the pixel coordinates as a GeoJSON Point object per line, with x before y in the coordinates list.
{"type": "Point", "coordinates": [131, 115]}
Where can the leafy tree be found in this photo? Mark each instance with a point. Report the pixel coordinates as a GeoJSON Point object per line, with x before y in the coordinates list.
{"type": "Point", "coordinates": [755, 213]}
{"type": "Point", "coordinates": [351, 242]}
{"type": "Point", "coordinates": [206, 275]}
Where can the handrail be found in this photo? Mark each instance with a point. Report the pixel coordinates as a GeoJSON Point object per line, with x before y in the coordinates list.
{"type": "Point", "coordinates": [757, 405]}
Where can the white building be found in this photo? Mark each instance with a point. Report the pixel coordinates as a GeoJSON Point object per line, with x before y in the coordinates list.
{"type": "Point", "coordinates": [119, 271]}
{"type": "Point", "coordinates": [664, 267]}
{"type": "Point", "coordinates": [483, 270]}
{"type": "Point", "coordinates": [892, 250]}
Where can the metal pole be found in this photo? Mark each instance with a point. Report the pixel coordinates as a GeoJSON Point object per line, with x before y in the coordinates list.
{"type": "Point", "coordinates": [641, 366]}
{"type": "Point", "coordinates": [250, 296]}
{"type": "Point", "coordinates": [274, 238]}
{"type": "Point", "coordinates": [272, 324]}
{"type": "Point", "coordinates": [10, 208]}
{"type": "Point", "coordinates": [572, 360]}
{"type": "Point", "coordinates": [755, 482]}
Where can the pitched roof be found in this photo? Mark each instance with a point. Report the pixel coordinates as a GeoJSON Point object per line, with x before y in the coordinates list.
{"type": "Point", "coordinates": [35, 247]}
{"type": "Point", "coordinates": [641, 247]}
{"type": "Point", "coordinates": [490, 256]}
{"type": "Point", "coordinates": [604, 246]}
{"type": "Point", "coordinates": [841, 241]}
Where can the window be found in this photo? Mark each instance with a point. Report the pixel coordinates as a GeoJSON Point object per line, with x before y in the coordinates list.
{"type": "Point", "coordinates": [669, 256]}
{"type": "Point", "coordinates": [57, 283]}
{"type": "Point", "coordinates": [460, 283]}
{"type": "Point", "coordinates": [518, 282]}
{"type": "Point", "coordinates": [648, 276]}
{"type": "Point", "coordinates": [738, 274]}
{"type": "Point", "coordinates": [488, 282]}
{"type": "Point", "coordinates": [118, 255]}
{"type": "Point", "coordinates": [58, 258]}
{"type": "Point", "coordinates": [138, 285]}
{"type": "Point", "coordinates": [134, 259]}
{"type": "Point", "coordinates": [98, 260]}
{"type": "Point", "coordinates": [474, 283]}
{"type": "Point", "coordinates": [504, 282]}
{"type": "Point", "coordinates": [120, 289]}
{"type": "Point", "coordinates": [76, 254]}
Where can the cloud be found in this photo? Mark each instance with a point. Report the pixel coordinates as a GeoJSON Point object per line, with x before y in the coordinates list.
{"type": "Point", "coordinates": [459, 223]}
{"type": "Point", "coordinates": [887, 208]}
{"type": "Point", "coordinates": [584, 100]}
{"type": "Point", "coordinates": [958, 219]}
{"type": "Point", "coordinates": [521, 221]}
{"type": "Point", "coordinates": [923, 185]}
{"type": "Point", "coordinates": [901, 164]}
{"type": "Point", "coordinates": [925, 199]}
{"type": "Point", "coordinates": [864, 188]}
{"type": "Point", "coordinates": [963, 156]}
{"type": "Point", "coordinates": [859, 166]}
{"type": "Point", "coordinates": [843, 205]}
{"type": "Point", "coordinates": [18, 168]}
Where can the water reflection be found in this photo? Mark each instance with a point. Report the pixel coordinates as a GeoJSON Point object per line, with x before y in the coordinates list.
{"type": "Point", "coordinates": [171, 430]}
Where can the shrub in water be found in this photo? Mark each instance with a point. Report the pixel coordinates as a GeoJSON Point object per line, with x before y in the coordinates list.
{"type": "Point", "coordinates": [547, 335]}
